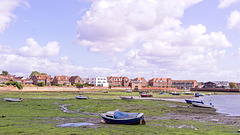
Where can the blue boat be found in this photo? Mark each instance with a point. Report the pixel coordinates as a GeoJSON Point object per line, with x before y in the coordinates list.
{"type": "Point", "coordinates": [118, 117]}
{"type": "Point", "coordinates": [189, 101]}
{"type": "Point", "coordinates": [196, 94]}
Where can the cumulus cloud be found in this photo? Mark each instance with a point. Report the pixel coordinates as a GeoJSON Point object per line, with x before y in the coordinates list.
{"type": "Point", "coordinates": [6, 9]}
{"type": "Point", "coordinates": [33, 49]}
{"type": "Point", "coordinates": [28, 64]}
{"type": "Point", "coordinates": [226, 3]}
{"type": "Point", "coordinates": [153, 35]}
{"type": "Point", "coordinates": [5, 49]}
{"type": "Point", "coordinates": [112, 26]}
{"type": "Point", "coordinates": [234, 20]}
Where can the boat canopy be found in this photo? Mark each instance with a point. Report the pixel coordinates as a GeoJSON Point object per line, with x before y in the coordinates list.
{"type": "Point", "coordinates": [122, 115]}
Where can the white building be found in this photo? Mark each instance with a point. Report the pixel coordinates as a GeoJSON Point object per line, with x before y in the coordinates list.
{"type": "Point", "coordinates": [99, 81]}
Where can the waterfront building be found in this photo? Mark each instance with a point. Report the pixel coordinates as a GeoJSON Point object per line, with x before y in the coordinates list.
{"type": "Point", "coordinates": [118, 81]}
{"type": "Point", "coordinates": [184, 84]}
{"type": "Point", "coordinates": [99, 81]}
{"type": "Point", "coordinates": [160, 82]}
{"type": "Point", "coordinates": [64, 80]}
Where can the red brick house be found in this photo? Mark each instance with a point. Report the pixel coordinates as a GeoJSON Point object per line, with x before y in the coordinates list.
{"type": "Point", "coordinates": [64, 80]}
{"type": "Point", "coordinates": [75, 79]}
{"type": "Point", "coordinates": [143, 82]}
{"type": "Point", "coordinates": [160, 82]}
{"type": "Point", "coordinates": [3, 79]}
{"type": "Point", "coordinates": [184, 84]}
{"type": "Point", "coordinates": [41, 78]}
{"type": "Point", "coordinates": [118, 81]}
{"type": "Point", "coordinates": [27, 81]}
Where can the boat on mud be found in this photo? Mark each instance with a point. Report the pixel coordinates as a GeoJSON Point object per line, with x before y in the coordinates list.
{"type": "Point", "coordinates": [188, 93]}
{"type": "Point", "coordinates": [81, 97]}
{"type": "Point", "coordinates": [118, 117]}
{"type": "Point", "coordinates": [129, 91]}
{"type": "Point", "coordinates": [190, 101]}
{"type": "Point", "coordinates": [126, 98]}
{"type": "Point", "coordinates": [146, 95]}
{"type": "Point", "coordinates": [203, 105]}
{"type": "Point", "coordinates": [176, 93]}
{"type": "Point", "coordinates": [13, 99]}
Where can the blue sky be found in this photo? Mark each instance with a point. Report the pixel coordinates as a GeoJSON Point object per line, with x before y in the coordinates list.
{"type": "Point", "coordinates": [180, 39]}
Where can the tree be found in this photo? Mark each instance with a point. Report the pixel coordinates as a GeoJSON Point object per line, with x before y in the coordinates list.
{"type": "Point", "coordinates": [34, 73]}
{"type": "Point", "coordinates": [42, 84]}
{"type": "Point", "coordinates": [15, 84]}
{"type": "Point", "coordinates": [5, 73]}
{"type": "Point", "coordinates": [232, 85]}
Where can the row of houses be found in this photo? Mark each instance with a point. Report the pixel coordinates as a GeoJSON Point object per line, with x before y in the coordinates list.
{"type": "Point", "coordinates": [137, 83]}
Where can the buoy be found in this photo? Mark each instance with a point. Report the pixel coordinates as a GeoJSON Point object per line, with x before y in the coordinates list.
{"type": "Point", "coordinates": [102, 121]}
{"type": "Point", "coordinates": [3, 115]}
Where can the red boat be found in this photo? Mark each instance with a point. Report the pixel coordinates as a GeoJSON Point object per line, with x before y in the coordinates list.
{"type": "Point", "coordinates": [146, 95]}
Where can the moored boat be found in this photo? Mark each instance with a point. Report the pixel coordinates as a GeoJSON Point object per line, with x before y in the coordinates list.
{"type": "Point", "coordinates": [129, 91]}
{"type": "Point", "coordinates": [176, 93]}
{"type": "Point", "coordinates": [146, 95]}
{"type": "Point", "coordinates": [188, 93]}
{"type": "Point", "coordinates": [190, 101]}
{"type": "Point", "coordinates": [81, 97]}
{"type": "Point", "coordinates": [203, 105]}
{"type": "Point", "coordinates": [118, 117]}
{"type": "Point", "coordinates": [12, 99]}
{"type": "Point", "coordinates": [126, 98]}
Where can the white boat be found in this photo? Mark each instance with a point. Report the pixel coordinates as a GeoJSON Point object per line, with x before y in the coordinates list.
{"type": "Point", "coordinates": [81, 97]}
{"type": "Point", "coordinates": [128, 91]}
{"type": "Point", "coordinates": [12, 99]}
{"type": "Point", "coordinates": [188, 93]}
{"type": "Point", "coordinates": [202, 105]}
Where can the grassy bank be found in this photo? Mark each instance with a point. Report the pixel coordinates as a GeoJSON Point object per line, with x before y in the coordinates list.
{"type": "Point", "coordinates": [42, 116]}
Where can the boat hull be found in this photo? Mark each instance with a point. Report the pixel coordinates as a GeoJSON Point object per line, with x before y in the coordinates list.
{"type": "Point", "coordinates": [146, 95]}
{"type": "Point", "coordinates": [81, 97]}
{"type": "Point", "coordinates": [126, 98]}
{"type": "Point", "coordinates": [202, 105]}
{"type": "Point", "coordinates": [128, 121]}
{"type": "Point", "coordinates": [12, 100]}
{"type": "Point", "coordinates": [192, 101]}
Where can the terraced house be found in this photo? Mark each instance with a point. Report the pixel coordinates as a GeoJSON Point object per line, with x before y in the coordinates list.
{"type": "Point", "coordinates": [64, 80]}
{"type": "Point", "coordinates": [184, 84]}
{"type": "Point", "coordinates": [160, 82]}
{"type": "Point", "coordinates": [118, 81]}
{"type": "Point", "coordinates": [141, 80]}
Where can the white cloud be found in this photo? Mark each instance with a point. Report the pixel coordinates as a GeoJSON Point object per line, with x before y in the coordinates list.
{"type": "Point", "coordinates": [32, 49]}
{"type": "Point", "coordinates": [234, 20]}
{"type": "Point", "coordinates": [6, 9]}
{"type": "Point", "coordinates": [226, 3]}
{"type": "Point", "coordinates": [112, 26]}
{"type": "Point", "coordinates": [5, 49]}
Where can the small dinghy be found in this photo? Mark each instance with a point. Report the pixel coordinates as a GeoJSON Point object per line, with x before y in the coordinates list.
{"type": "Point", "coordinates": [146, 95]}
{"type": "Point", "coordinates": [190, 101]}
{"type": "Point", "coordinates": [126, 98]}
{"type": "Point", "coordinates": [13, 99]}
{"type": "Point", "coordinates": [118, 117]}
{"type": "Point", "coordinates": [81, 97]}
{"type": "Point", "coordinates": [176, 93]}
{"type": "Point", "coordinates": [203, 105]}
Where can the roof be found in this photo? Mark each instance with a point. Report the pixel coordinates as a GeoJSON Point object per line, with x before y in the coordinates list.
{"type": "Point", "coordinates": [184, 80]}
{"type": "Point", "coordinates": [62, 78]}
{"type": "Point", "coordinates": [42, 77]}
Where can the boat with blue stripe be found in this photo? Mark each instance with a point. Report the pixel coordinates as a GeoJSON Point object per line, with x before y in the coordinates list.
{"type": "Point", "coordinates": [118, 117]}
